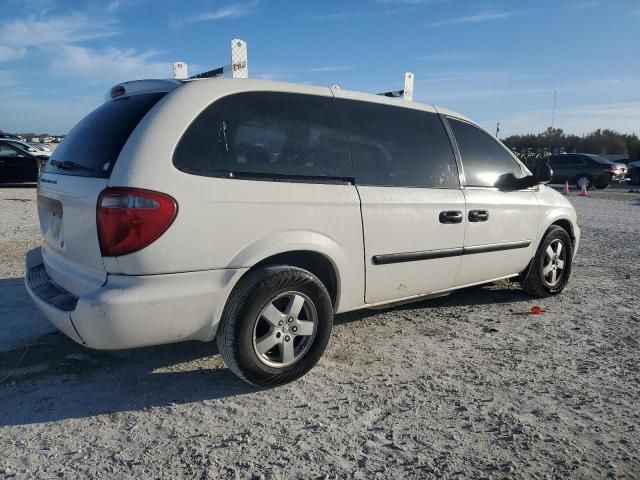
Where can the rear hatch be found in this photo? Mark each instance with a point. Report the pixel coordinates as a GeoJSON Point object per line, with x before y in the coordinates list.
{"type": "Point", "coordinates": [69, 187]}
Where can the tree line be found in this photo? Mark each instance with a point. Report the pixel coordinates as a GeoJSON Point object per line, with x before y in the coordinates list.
{"type": "Point", "coordinates": [555, 140]}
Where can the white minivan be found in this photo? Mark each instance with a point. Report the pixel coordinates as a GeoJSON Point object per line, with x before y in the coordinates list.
{"type": "Point", "coordinates": [252, 211]}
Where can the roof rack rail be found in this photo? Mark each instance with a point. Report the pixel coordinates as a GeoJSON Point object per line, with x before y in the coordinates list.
{"type": "Point", "coordinates": [406, 93]}
{"type": "Point", "coordinates": [239, 66]}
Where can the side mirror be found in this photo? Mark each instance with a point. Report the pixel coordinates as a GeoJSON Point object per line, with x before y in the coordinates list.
{"type": "Point", "coordinates": [509, 182]}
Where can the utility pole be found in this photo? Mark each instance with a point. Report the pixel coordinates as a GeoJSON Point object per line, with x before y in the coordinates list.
{"type": "Point", "coordinates": [553, 116]}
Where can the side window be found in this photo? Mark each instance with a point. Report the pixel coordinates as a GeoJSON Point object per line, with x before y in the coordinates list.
{"type": "Point", "coordinates": [566, 161]}
{"type": "Point", "coordinates": [266, 133]}
{"type": "Point", "coordinates": [396, 146]}
{"type": "Point", "coordinates": [7, 151]}
{"type": "Point", "coordinates": [483, 158]}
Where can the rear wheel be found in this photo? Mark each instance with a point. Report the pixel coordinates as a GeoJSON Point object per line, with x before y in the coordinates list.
{"type": "Point", "coordinates": [551, 267]}
{"type": "Point", "coordinates": [583, 180]}
{"type": "Point", "coordinates": [275, 326]}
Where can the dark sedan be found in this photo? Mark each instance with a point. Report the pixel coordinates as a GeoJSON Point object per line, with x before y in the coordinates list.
{"type": "Point", "coordinates": [586, 169]}
{"type": "Point", "coordinates": [633, 172]}
{"type": "Point", "coordinates": [17, 165]}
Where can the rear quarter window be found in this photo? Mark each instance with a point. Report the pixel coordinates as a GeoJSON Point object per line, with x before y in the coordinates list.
{"type": "Point", "coordinates": [266, 134]}
{"type": "Point", "coordinates": [92, 147]}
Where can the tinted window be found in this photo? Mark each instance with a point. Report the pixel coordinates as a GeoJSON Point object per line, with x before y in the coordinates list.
{"type": "Point", "coordinates": [94, 144]}
{"type": "Point", "coordinates": [7, 151]}
{"type": "Point", "coordinates": [396, 146]}
{"type": "Point", "coordinates": [483, 158]}
{"type": "Point", "coordinates": [266, 133]}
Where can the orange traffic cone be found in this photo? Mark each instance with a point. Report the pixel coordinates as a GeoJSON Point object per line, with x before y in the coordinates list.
{"type": "Point", "coordinates": [583, 190]}
{"type": "Point", "coordinates": [565, 189]}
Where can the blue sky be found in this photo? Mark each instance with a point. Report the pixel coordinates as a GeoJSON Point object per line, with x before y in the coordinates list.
{"type": "Point", "coordinates": [493, 60]}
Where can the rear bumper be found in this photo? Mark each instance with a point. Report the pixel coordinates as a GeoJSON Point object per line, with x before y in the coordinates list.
{"type": "Point", "coordinates": [134, 311]}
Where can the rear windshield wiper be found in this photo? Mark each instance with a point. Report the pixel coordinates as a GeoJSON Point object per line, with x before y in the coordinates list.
{"type": "Point", "coordinates": [69, 165]}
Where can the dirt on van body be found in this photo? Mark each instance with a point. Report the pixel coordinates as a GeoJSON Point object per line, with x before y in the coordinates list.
{"type": "Point", "coordinates": [468, 386]}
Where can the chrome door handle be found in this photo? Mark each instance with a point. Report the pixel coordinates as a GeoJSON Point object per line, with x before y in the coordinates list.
{"type": "Point", "coordinates": [451, 216]}
{"type": "Point", "coordinates": [478, 215]}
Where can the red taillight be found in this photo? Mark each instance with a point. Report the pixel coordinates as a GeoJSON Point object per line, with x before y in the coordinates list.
{"type": "Point", "coordinates": [129, 219]}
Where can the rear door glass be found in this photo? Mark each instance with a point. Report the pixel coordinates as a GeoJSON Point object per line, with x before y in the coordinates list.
{"type": "Point", "coordinates": [398, 147]}
{"type": "Point", "coordinates": [92, 147]}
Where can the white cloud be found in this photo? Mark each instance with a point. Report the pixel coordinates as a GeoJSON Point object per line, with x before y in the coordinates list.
{"type": "Point", "coordinates": [230, 11]}
{"type": "Point", "coordinates": [577, 119]}
{"type": "Point", "coordinates": [33, 32]}
{"type": "Point", "coordinates": [111, 65]}
{"type": "Point", "coordinates": [9, 53]}
{"type": "Point", "coordinates": [478, 17]}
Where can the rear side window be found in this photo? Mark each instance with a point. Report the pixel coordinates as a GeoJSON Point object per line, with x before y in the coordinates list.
{"type": "Point", "coordinates": [483, 158]}
{"type": "Point", "coordinates": [396, 146]}
{"type": "Point", "coordinates": [565, 161]}
{"type": "Point", "coordinates": [92, 147]}
{"type": "Point", "coordinates": [254, 134]}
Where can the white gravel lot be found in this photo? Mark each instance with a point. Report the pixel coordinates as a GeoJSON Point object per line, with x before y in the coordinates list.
{"type": "Point", "coordinates": [467, 386]}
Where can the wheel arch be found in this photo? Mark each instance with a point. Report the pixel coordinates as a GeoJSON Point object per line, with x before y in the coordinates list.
{"type": "Point", "coordinates": [312, 251]}
{"type": "Point", "coordinates": [317, 263]}
{"type": "Point", "coordinates": [566, 224]}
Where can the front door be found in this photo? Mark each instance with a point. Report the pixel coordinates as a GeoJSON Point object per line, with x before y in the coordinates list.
{"type": "Point", "coordinates": [501, 226]}
{"type": "Point", "coordinates": [17, 166]}
{"type": "Point", "coordinates": [411, 202]}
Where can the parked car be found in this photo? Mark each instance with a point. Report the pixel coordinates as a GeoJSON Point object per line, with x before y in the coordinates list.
{"type": "Point", "coordinates": [43, 147]}
{"type": "Point", "coordinates": [17, 165]}
{"type": "Point", "coordinates": [633, 172]}
{"type": "Point", "coordinates": [583, 168]}
{"type": "Point", "coordinates": [24, 147]}
{"type": "Point", "coordinates": [11, 136]}
{"type": "Point", "coordinates": [252, 211]}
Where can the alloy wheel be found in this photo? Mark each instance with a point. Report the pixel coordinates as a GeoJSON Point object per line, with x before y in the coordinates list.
{"type": "Point", "coordinates": [285, 329]}
{"type": "Point", "coordinates": [554, 263]}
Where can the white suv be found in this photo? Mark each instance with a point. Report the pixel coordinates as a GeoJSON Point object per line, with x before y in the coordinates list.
{"type": "Point", "coordinates": [253, 211]}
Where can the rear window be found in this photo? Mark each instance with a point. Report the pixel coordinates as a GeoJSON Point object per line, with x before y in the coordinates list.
{"type": "Point", "coordinates": [92, 147]}
{"type": "Point", "coordinates": [266, 135]}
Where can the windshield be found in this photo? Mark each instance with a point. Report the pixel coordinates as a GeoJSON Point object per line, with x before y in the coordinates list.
{"type": "Point", "coordinates": [92, 147]}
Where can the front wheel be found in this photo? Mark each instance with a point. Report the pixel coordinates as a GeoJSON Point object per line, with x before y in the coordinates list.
{"type": "Point", "coordinates": [551, 267]}
{"type": "Point", "coordinates": [276, 325]}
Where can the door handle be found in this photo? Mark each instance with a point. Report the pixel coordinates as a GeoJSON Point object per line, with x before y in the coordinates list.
{"type": "Point", "coordinates": [478, 215]}
{"type": "Point", "coordinates": [451, 216]}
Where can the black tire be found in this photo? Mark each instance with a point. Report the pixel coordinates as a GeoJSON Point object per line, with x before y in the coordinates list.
{"type": "Point", "coordinates": [635, 179]}
{"type": "Point", "coordinates": [583, 178]}
{"type": "Point", "coordinates": [255, 291]}
{"type": "Point", "coordinates": [534, 281]}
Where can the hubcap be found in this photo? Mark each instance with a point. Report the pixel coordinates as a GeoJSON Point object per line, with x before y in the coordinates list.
{"type": "Point", "coordinates": [554, 263]}
{"type": "Point", "coordinates": [285, 329]}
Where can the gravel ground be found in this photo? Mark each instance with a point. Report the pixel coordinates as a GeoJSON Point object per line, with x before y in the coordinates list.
{"type": "Point", "coordinates": [467, 386]}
